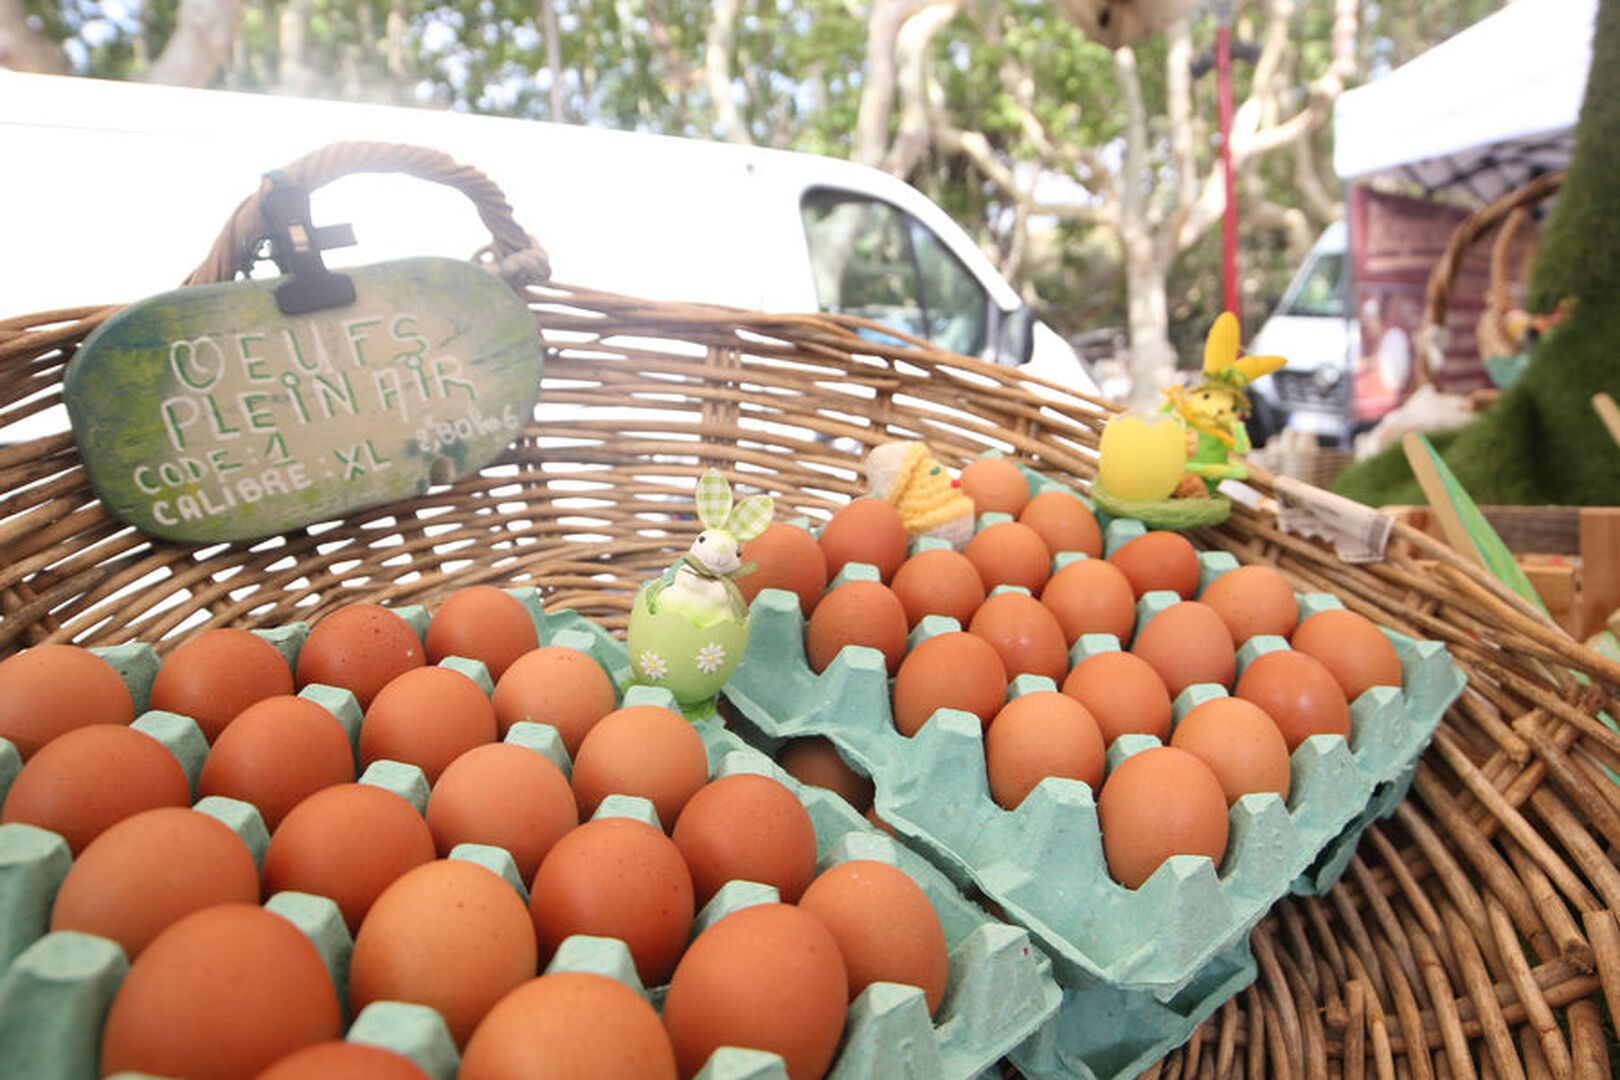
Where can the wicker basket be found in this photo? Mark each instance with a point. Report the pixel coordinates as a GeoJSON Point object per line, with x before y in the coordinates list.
{"type": "Point", "coordinates": [1512, 252]}
{"type": "Point", "coordinates": [1474, 932]}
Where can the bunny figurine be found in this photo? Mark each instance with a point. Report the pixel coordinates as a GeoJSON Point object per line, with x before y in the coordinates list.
{"type": "Point", "coordinates": [704, 588]}
{"type": "Point", "coordinates": [689, 626]}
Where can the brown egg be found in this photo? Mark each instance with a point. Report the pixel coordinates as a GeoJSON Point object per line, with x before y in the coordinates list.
{"type": "Point", "coordinates": [813, 759]}
{"type": "Point", "coordinates": [505, 795]}
{"type": "Point", "coordinates": [1041, 734]}
{"type": "Point", "coordinates": [867, 530]}
{"type": "Point", "coordinates": [49, 689]}
{"type": "Point", "coordinates": [995, 485]}
{"type": "Point", "coordinates": [1253, 600]}
{"type": "Point", "coordinates": [427, 717]}
{"type": "Point", "coordinates": [766, 977]}
{"type": "Point", "coordinates": [554, 685]}
{"type": "Point", "coordinates": [450, 934]}
{"type": "Point", "coordinates": [1123, 694]}
{"type": "Point", "coordinates": [1025, 634]}
{"type": "Point", "coordinates": [1187, 643]}
{"type": "Point", "coordinates": [579, 1024]}
{"type": "Point", "coordinates": [955, 670]}
{"type": "Point", "coordinates": [150, 870]}
{"type": "Point", "coordinates": [885, 926]}
{"type": "Point", "coordinates": [1160, 802]}
{"type": "Point", "coordinates": [275, 753]}
{"type": "Point", "coordinates": [1239, 742]}
{"type": "Point", "coordinates": [746, 827]}
{"type": "Point", "coordinates": [90, 778]}
{"type": "Point", "coordinates": [1297, 691]}
{"type": "Point", "coordinates": [1091, 596]}
{"type": "Point", "coordinates": [644, 750]}
{"type": "Point", "coordinates": [342, 1060]}
{"type": "Point", "coordinates": [223, 993]}
{"type": "Point", "coordinates": [481, 622]}
{"type": "Point", "coordinates": [857, 613]}
{"type": "Point", "coordinates": [1064, 522]}
{"type": "Point", "coordinates": [1159, 559]}
{"type": "Point", "coordinates": [788, 557]}
{"type": "Point", "coordinates": [616, 877]}
{"type": "Point", "coordinates": [217, 674]}
{"type": "Point", "coordinates": [1010, 553]}
{"type": "Point", "coordinates": [359, 647]}
{"type": "Point", "coordinates": [938, 581]}
{"type": "Point", "coordinates": [1352, 647]}
{"type": "Point", "coordinates": [347, 842]}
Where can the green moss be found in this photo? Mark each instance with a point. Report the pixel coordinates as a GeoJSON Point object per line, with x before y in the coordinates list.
{"type": "Point", "coordinates": [1543, 443]}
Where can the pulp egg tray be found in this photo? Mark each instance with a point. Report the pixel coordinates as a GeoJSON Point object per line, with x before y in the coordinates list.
{"type": "Point", "coordinates": [1168, 952]}
{"type": "Point", "coordinates": [56, 987]}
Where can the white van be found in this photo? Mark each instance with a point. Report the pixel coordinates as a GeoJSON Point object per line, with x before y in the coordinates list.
{"type": "Point", "coordinates": [114, 191]}
{"type": "Point", "coordinates": [1312, 327]}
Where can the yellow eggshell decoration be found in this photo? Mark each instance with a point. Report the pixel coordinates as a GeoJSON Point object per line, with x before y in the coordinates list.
{"type": "Point", "coordinates": [1142, 458]}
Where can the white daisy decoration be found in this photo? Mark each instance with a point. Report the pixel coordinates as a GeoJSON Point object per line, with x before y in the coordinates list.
{"type": "Point", "coordinates": [710, 657]}
{"type": "Point", "coordinates": [652, 665]}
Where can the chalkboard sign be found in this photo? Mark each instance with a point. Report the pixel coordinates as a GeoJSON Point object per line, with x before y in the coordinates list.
{"type": "Point", "coordinates": [206, 414]}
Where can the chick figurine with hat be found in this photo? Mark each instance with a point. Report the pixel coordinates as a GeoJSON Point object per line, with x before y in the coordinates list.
{"type": "Point", "coordinates": [1212, 414]}
{"type": "Point", "coordinates": [930, 500]}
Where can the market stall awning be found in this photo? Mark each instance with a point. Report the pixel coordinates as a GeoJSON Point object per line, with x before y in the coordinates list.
{"type": "Point", "coordinates": [1479, 114]}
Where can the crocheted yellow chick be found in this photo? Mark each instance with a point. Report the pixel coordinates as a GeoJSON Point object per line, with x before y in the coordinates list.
{"type": "Point", "coordinates": [930, 499]}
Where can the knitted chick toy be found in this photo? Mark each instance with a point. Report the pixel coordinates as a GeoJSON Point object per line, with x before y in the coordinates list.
{"type": "Point", "coordinates": [930, 500]}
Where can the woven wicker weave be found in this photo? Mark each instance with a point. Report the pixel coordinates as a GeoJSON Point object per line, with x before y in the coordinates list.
{"type": "Point", "coordinates": [1475, 931]}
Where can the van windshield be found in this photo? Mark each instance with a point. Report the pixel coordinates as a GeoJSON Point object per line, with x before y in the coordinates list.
{"type": "Point", "coordinates": [873, 260]}
{"type": "Point", "coordinates": [1321, 291]}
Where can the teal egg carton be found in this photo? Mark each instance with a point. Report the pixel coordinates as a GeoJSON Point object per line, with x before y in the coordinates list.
{"type": "Point", "coordinates": [56, 987]}
{"type": "Point", "coordinates": [1167, 954]}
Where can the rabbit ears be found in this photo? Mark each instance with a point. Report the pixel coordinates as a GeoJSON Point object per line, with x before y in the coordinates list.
{"type": "Point", "coordinates": [1221, 359]}
{"type": "Point", "coordinates": [746, 520]}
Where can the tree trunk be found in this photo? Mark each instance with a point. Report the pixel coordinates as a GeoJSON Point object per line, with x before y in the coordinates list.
{"type": "Point", "coordinates": [548, 20]}
{"type": "Point", "coordinates": [1147, 312]}
{"type": "Point", "coordinates": [201, 40]}
{"type": "Point", "coordinates": [717, 70]}
{"type": "Point", "coordinates": [294, 74]}
{"type": "Point", "coordinates": [21, 48]}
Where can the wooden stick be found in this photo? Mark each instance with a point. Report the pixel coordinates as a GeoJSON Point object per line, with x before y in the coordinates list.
{"type": "Point", "coordinates": [1588, 1042]}
{"type": "Point", "coordinates": [1608, 412]}
{"type": "Point", "coordinates": [1409, 1016]}
{"type": "Point", "coordinates": [1481, 991]}
{"type": "Point", "coordinates": [1540, 1016]}
{"type": "Point", "coordinates": [1604, 931]}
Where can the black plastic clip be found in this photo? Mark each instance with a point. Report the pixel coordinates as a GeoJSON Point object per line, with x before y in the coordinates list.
{"type": "Point", "coordinates": [296, 247]}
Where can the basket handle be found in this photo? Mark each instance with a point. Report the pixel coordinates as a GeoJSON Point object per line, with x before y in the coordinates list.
{"type": "Point", "coordinates": [1444, 274]}
{"type": "Point", "coordinates": [512, 253]}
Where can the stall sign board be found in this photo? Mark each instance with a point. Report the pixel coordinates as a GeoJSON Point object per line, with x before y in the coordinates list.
{"type": "Point", "coordinates": [207, 415]}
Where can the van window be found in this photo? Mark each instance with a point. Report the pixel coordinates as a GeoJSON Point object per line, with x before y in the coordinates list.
{"type": "Point", "coordinates": [873, 260]}
{"type": "Point", "coordinates": [1321, 291]}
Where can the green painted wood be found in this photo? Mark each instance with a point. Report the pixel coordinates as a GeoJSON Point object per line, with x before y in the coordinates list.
{"type": "Point", "coordinates": [206, 415]}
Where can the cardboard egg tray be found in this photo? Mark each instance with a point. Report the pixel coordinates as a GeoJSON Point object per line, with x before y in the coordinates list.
{"type": "Point", "coordinates": [56, 987]}
{"type": "Point", "coordinates": [1157, 959]}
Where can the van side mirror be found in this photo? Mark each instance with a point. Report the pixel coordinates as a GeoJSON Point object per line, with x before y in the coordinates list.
{"type": "Point", "coordinates": [1018, 337]}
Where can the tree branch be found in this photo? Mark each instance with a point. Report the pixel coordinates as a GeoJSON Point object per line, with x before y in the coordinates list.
{"type": "Point", "coordinates": [870, 142]}
{"type": "Point", "coordinates": [201, 40]}
{"type": "Point", "coordinates": [914, 131]}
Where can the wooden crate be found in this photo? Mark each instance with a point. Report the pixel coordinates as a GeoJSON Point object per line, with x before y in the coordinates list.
{"type": "Point", "coordinates": [1571, 555]}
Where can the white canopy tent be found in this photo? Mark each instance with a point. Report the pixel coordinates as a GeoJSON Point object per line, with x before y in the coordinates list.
{"type": "Point", "coordinates": [1479, 114]}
